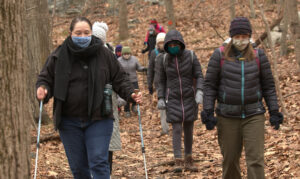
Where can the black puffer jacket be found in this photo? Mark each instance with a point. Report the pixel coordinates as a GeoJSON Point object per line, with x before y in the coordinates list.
{"type": "Point", "coordinates": [176, 77]}
{"type": "Point", "coordinates": [151, 72]}
{"type": "Point", "coordinates": [239, 86]}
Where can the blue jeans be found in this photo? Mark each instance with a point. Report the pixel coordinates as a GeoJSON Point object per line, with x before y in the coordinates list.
{"type": "Point", "coordinates": [86, 145]}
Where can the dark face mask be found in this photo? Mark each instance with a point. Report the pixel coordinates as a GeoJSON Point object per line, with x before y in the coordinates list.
{"type": "Point", "coordinates": [174, 50]}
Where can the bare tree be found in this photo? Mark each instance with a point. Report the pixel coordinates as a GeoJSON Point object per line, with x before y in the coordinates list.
{"type": "Point", "coordinates": [295, 27]}
{"type": "Point", "coordinates": [14, 105]}
{"type": "Point", "coordinates": [232, 9]}
{"type": "Point", "coordinates": [252, 13]}
{"type": "Point", "coordinates": [123, 20]}
{"type": "Point", "coordinates": [170, 14]}
{"type": "Point", "coordinates": [38, 31]}
{"type": "Point", "coordinates": [283, 44]}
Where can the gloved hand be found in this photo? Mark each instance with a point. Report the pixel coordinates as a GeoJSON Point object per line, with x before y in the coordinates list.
{"type": "Point", "coordinates": [199, 97]}
{"type": "Point", "coordinates": [207, 117]}
{"type": "Point", "coordinates": [276, 118]}
{"type": "Point", "coordinates": [161, 104]}
{"type": "Point", "coordinates": [150, 88]}
{"type": "Point", "coordinates": [145, 69]}
{"type": "Point", "coordinates": [121, 102]}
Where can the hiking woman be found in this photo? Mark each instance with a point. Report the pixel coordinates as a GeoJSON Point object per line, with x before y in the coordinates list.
{"type": "Point", "coordinates": [180, 85]}
{"type": "Point", "coordinates": [76, 74]}
{"type": "Point", "coordinates": [239, 77]}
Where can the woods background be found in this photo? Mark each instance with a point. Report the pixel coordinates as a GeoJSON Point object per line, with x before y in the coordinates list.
{"type": "Point", "coordinates": [31, 29]}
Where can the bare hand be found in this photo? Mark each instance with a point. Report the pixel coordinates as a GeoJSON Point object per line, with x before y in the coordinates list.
{"type": "Point", "coordinates": [41, 93]}
{"type": "Point", "coordinates": [137, 97]}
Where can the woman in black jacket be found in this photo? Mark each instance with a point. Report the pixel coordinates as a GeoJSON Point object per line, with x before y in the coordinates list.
{"type": "Point", "coordinates": [180, 85]}
{"type": "Point", "coordinates": [239, 77]}
{"type": "Point", "coordinates": [76, 74]}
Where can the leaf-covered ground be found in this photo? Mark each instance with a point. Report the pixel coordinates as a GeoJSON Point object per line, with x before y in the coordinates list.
{"type": "Point", "coordinates": [200, 23]}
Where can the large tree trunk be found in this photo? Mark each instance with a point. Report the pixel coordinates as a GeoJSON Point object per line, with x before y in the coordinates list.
{"type": "Point", "coordinates": [170, 14]}
{"type": "Point", "coordinates": [14, 108]}
{"type": "Point", "coordinates": [123, 21]}
{"type": "Point", "coordinates": [39, 44]}
{"type": "Point", "coordinates": [232, 9]}
{"type": "Point", "coordinates": [283, 44]}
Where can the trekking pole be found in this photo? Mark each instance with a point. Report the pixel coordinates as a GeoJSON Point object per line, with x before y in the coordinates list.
{"type": "Point", "coordinates": [38, 139]}
{"type": "Point", "coordinates": [141, 133]}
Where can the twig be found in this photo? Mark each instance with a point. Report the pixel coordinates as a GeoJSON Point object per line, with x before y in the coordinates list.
{"type": "Point", "coordinates": [46, 138]}
{"type": "Point", "coordinates": [285, 96]}
{"type": "Point", "coordinates": [215, 30]}
{"type": "Point", "coordinates": [206, 48]}
{"type": "Point", "coordinates": [274, 59]}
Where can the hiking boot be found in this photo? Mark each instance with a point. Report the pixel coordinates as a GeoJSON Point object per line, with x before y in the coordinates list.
{"type": "Point", "coordinates": [189, 164]}
{"type": "Point", "coordinates": [178, 165]}
{"type": "Point", "coordinates": [127, 114]}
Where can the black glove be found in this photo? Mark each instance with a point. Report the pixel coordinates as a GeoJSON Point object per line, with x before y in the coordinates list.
{"type": "Point", "coordinates": [150, 88]}
{"type": "Point", "coordinates": [276, 119]}
{"type": "Point", "coordinates": [145, 69]}
{"type": "Point", "coordinates": [207, 117]}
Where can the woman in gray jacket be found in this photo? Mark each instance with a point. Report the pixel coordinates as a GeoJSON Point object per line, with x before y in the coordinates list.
{"type": "Point", "coordinates": [130, 65]}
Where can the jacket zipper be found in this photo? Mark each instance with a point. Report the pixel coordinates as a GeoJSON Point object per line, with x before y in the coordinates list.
{"type": "Point", "coordinates": [168, 95]}
{"type": "Point", "coordinates": [243, 90]}
{"type": "Point", "coordinates": [180, 88]}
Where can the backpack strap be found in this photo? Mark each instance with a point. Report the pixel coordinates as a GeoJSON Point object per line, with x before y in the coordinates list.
{"type": "Point", "coordinates": [160, 28]}
{"type": "Point", "coordinates": [221, 50]}
{"type": "Point", "coordinates": [192, 55]}
{"type": "Point", "coordinates": [164, 61]}
{"type": "Point", "coordinates": [156, 51]}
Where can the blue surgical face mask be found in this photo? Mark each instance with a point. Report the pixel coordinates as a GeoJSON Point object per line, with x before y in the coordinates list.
{"type": "Point", "coordinates": [82, 42]}
{"type": "Point", "coordinates": [174, 50]}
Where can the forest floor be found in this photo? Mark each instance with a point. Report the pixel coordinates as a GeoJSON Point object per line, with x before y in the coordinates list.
{"type": "Point", "coordinates": [198, 21]}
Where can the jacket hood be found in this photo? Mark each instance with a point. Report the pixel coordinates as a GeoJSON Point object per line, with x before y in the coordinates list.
{"type": "Point", "coordinates": [174, 35]}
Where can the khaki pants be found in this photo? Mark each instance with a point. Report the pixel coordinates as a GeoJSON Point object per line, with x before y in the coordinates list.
{"type": "Point", "coordinates": [233, 134]}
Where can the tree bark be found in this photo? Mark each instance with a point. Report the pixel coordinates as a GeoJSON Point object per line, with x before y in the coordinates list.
{"type": "Point", "coordinates": [14, 105]}
{"type": "Point", "coordinates": [38, 31]}
{"type": "Point", "coordinates": [170, 14]}
{"type": "Point", "coordinates": [283, 44]}
{"type": "Point", "coordinates": [232, 9]}
{"type": "Point", "coordinates": [252, 13]}
{"type": "Point", "coordinates": [123, 20]}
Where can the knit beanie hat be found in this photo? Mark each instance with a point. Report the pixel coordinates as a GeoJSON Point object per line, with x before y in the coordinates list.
{"type": "Point", "coordinates": [160, 37]}
{"type": "Point", "coordinates": [126, 49]}
{"type": "Point", "coordinates": [118, 48]}
{"type": "Point", "coordinates": [99, 30]}
{"type": "Point", "coordinates": [240, 25]}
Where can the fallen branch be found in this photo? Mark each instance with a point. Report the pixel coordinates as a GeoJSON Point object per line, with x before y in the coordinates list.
{"type": "Point", "coordinates": [265, 34]}
{"type": "Point", "coordinates": [46, 138]}
{"type": "Point", "coordinates": [171, 163]}
{"type": "Point", "coordinates": [206, 48]}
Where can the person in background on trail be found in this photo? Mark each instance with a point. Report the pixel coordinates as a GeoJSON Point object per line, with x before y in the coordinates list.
{"type": "Point", "coordinates": [99, 30]}
{"type": "Point", "coordinates": [151, 41]}
{"type": "Point", "coordinates": [151, 76]}
{"type": "Point", "coordinates": [130, 65]}
{"type": "Point", "coordinates": [118, 51]}
{"type": "Point", "coordinates": [180, 85]}
{"type": "Point", "coordinates": [158, 28]}
{"type": "Point", "coordinates": [77, 74]}
{"type": "Point", "coordinates": [239, 77]}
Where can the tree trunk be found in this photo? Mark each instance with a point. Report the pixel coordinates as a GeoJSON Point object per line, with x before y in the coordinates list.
{"type": "Point", "coordinates": [123, 20]}
{"type": "Point", "coordinates": [252, 14]}
{"type": "Point", "coordinates": [14, 105]}
{"type": "Point", "coordinates": [170, 14]}
{"type": "Point", "coordinates": [283, 44]}
{"type": "Point", "coordinates": [232, 9]}
{"type": "Point", "coordinates": [39, 44]}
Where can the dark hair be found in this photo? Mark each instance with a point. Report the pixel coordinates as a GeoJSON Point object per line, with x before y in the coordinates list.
{"type": "Point", "coordinates": [79, 19]}
{"type": "Point", "coordinates": [248, 52]}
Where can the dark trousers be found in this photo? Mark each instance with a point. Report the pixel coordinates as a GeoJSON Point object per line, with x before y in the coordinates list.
{"type": "Point", "coordinates": [187, 128]}
{"type": "Point", "coordinates": [127, 106]}
{"type": "Point", "coordinates": [233, 134]}
{"type": "Point", "coordinates": [86, 145]}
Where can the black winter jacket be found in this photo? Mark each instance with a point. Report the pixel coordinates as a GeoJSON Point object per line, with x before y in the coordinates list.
{"type": "Point", "coordinates": [239, 86]}
{"type": "Point", "coordinates": [75, 104]}
{"type": "Point", "coordinates": [151, 72]}
{"type": "Point", "coordinates": [150, 44]}
{"type": "Point", "coordinates": [176, 81]}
